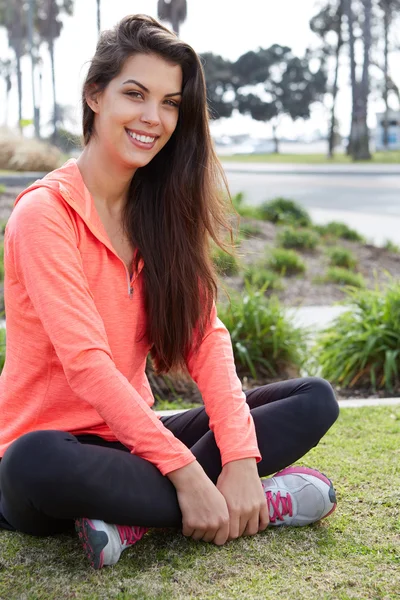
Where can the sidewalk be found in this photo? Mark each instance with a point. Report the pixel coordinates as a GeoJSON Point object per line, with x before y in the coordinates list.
{"type": "Point", "coordinates": [350, 403]}
{"type": "Point", "coordinates": [311, 169]}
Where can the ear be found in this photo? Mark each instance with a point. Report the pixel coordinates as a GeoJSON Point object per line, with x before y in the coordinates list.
{"type": "Point", "coordinates": [92, 97]}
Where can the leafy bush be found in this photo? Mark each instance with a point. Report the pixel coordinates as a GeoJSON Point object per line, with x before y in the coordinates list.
{"type": "Point", "coordinates": [244, 210]}
{"type": "Point", "coordinates": [339, 230]}
{"type": "Point", "coordinates": [285, 211]}
{"type": "Point", "coordinates": [1, 261]}
{"type": "Point", "coordinates": [305, 239]}
{"type": "Point", "coordinates": [224, 262]}
{"type": "Point", "coordinates": [391, 247]}
{"type": "Point", "coordinates": [258, 276]}
{"type": "Point", "coordinates": [362, 346]}
{"type": "Point", "coordinates": [285, 262]}
{"type": "Point", "coordinates": [265, 342]}
{"type": "Point", "coordinates": [341, 257]}
{"type": "Point", "coordinates": [22, 154]}
{"type": "Point", "coordinates": [2, 347]}
{"type": "Point", "coordinates": [342, 276]}
{"type": "Point", "coordinates": [249, 230]}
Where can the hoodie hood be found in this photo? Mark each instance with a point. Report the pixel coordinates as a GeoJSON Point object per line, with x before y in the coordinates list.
{"type": "Point", "coordinates": [67, 182]}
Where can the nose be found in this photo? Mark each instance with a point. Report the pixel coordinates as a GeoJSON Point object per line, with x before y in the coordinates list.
{"type": "Point", "coordinates": [150, 114]}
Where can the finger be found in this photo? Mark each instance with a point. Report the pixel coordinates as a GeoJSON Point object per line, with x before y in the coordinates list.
{"type": "Point", "coordinates": [243, 524]}
{"type": "Point", "coordinates": [198, 534]}
{"type": "Point", "coordinates": [252, 525]}
{"type": "Point", "coordinates": [234, 526]}
{"type": "Point", "coordinates": [209, 536]}
{"type": "Point", "coordinates": [264, 518]}
{"type": "Point", "coordinates": [222, 535]}
{"type": "Point", "coordinates": [187, 531]}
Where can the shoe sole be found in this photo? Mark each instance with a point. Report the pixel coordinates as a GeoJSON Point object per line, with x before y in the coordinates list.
{"type": "Point", "coordinates": [93, 541]}
{"type": "Point", "coordinates": [319, 475]}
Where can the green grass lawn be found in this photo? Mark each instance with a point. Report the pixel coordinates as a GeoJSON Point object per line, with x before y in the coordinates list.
{"type": "Point", "coordinates": [355, 553]}
{"type": "Point", "coordinates": [378, 157]}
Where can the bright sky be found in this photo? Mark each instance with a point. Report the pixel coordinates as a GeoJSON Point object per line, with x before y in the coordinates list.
{"type": "Point", "coordinates": [224, 27]}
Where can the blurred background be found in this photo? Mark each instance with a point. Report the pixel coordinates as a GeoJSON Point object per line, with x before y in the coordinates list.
{"type": "Point", "coordinates": [288, 77]}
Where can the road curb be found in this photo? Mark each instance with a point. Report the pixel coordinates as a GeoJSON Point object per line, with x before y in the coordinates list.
{"type": "Point", "coordinates": [350, 403]}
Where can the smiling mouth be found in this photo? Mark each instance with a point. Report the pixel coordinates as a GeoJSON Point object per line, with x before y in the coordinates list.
{"type": "Point", "coordinates": [144, 139]}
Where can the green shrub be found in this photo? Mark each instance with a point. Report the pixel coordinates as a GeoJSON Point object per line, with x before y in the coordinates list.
{"type": "Point", "coordinates": [257, 275]}
{"type": "Point", "coordinates": [362, 346]}
{"type": "Point", "coordinates": [341, 257]}
{"type": "Point", "coordinates": [391, 247]}
{"type": "Point", "coordinates": [342, 276]}
{"type": "Point", "coordinates": [265, 342]}
{"type": "Point", "coordinates": [304, 239]}
{"type": "Point", "coordinates": [252, 212]}
{"type": "Point", "coordinates": [339, 230]}
{"type": "Point", "coordinates": [2, 188]}
{"type": "Point", "coordinates": [249, 230]}
{"type": "Point", "coordinates": [2, 347]}
{"type": "Point", "coordinates": [1, 261]}
{"type": "Point", "coordinates": [285, 262]}
{"type": "Point", "coordinates": [224, 262]}
{"type": "Point", "coordinates": [285, 211]}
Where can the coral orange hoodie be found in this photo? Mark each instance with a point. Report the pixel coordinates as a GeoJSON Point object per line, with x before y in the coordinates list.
{"type": "Point", "coordinates": [72, 318]}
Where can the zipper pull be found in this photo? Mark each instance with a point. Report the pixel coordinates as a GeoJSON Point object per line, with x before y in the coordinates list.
{"type": "Point", "coordinates": [131, 292]}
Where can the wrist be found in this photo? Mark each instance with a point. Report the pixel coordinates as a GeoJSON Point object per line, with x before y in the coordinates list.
{"type": "Point", "coordinates": [241, 463]}
{"type": "Point", "coordinates": [186, 476]}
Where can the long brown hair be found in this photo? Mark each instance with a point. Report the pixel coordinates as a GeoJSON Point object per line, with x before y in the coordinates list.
{"type": "Point", "coordinates": [177, 203]}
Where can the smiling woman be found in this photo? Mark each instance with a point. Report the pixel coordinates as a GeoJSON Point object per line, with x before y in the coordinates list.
{"type": "Point", "coordinates": [107, 259]}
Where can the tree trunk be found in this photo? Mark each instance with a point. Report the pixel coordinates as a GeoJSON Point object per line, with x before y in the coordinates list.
{"type": "Point", "coordinates": [354, 86]}
{"type": "Point", "coordinates": [19, 85]}
{"type": "Point", "coordinates": [362, 147]}
{"type": "Point", "coordinates": [275, 137]}
{"type": "Point", "coordinates": [53, 81]}
{"type": "Point", "coordinates": [386, 21]}
{"type": "Point", "coordinates": [175, 17]}
{"type": "Point", "coordinates": [335, 84]}
{"type": "Point", "coordinates": [98, 18]}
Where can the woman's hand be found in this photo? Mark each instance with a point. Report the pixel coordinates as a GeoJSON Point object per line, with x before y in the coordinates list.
{"type": "Point", "coordinates": [241, 487]}
{"type": "Point", "coordinates": [205, 514]}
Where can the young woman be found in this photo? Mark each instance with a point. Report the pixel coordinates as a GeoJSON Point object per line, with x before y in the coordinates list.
{"type": "Point", "coordinates": [107, 259]}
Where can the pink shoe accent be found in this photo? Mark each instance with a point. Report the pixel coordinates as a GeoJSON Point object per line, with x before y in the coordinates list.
{"type": "Point", "coordinates": [130, 534]}
{"type": "Point", "coordinates": [286, 506]}
{"type": "Point", "coordinates": [306, 471]}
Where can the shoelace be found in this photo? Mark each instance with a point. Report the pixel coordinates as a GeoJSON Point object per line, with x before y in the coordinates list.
{"type": "Point", "coordinates": [130, 534]}
{"type": "Point", "coordinates": [286, 505]}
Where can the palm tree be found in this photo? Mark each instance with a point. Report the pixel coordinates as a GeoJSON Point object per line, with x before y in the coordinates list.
{"type": "Point", "coordinates": [174, 11]}
{"type": "Point", "coordinates": [98, 17]}
{"type": "Point", "coordinates": [13, 17]}
{"type": "Point", "coordinates": [359, 135]}
{"type": "Point", "coordinates": [49, 27]}
{"type": "Point", "coordinates": [330, 18]}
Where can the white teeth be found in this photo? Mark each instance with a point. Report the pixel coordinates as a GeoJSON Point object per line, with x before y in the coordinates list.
{"type": "Point", "coordinates": [142, 138]}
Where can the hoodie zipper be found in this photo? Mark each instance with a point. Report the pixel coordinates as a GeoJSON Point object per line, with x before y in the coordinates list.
{"type": "Point", "coordinates": [69, 200]}
{"type": "Point", "coordinates": [130, 286]}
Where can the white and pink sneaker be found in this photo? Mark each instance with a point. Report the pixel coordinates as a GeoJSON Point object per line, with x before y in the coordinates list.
{"type": "Point", "coordinates": [103, 543]}
{"type": "Point", "coordinates": [299, 496]}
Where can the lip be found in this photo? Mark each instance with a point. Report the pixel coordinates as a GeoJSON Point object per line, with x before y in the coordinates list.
{"type": "Point", "coordinates": [138, 143]}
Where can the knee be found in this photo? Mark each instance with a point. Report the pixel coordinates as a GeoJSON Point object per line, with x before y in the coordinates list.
{"type": "Point", "coordinates": [323, 400]}
{"type": "Point", "coordinates": [29, 458]}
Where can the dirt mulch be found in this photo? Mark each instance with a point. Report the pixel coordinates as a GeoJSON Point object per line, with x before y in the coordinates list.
{"type": "Point", "coordinates": [301, 290]}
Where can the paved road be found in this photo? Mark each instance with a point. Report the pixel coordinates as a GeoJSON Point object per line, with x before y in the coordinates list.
{"type": "Point", "coordinates": [369, 201]}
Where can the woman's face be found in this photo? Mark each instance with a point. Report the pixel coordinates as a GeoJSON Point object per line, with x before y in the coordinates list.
{"type": "Point", "coordinates": [137, 113]}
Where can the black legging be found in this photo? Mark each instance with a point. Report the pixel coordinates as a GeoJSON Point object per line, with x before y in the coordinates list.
{"type": "Point", "coordinates": [48, 478]}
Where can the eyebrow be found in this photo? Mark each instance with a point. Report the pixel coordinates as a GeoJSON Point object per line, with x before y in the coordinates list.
{"type": "Point", "coordinates": [148, 91]}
